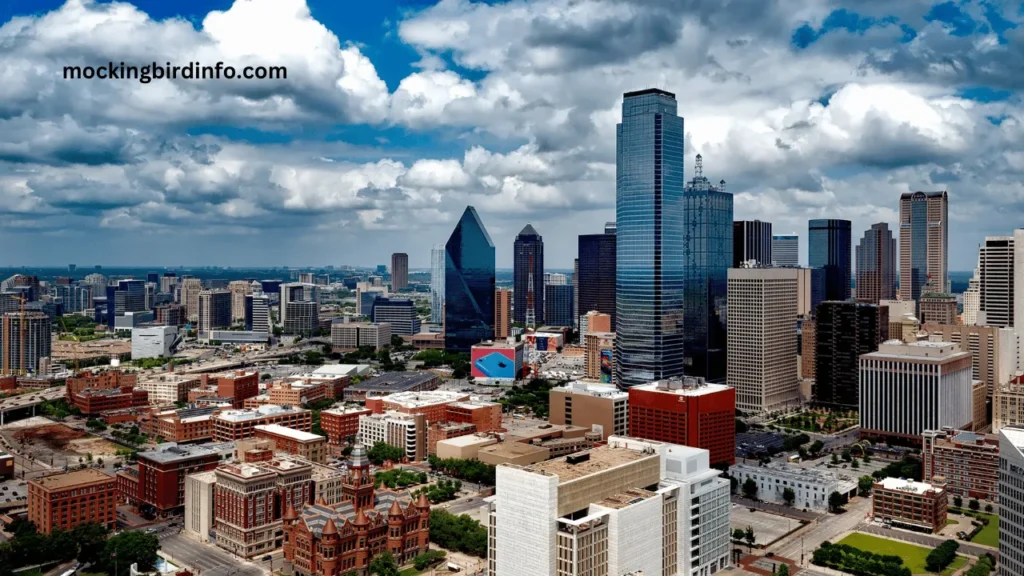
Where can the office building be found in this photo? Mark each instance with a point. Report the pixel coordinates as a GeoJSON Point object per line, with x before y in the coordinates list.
{"type": "Point", "coordinates": [237, 385]}
{"type": "Point", "coordinates": [154, 342]}
{"type": "Point", "coordinates": [399, 271]}
{"type": "Point", "coordinates": [326, 540]}
{"type": "Point", "coordinates": [300, 308]}
{"type": "Point", "coordinates": [257, 313]}
{"type": "Point", "coordinates": [1008, 405]}
{"type": "Point", "coordinates": [502, 313]}
{"type": "Point", "coordinates": [558, 305]}
{"type": "Point", "coordinates": [786, 250]}
{"type": "Point", "coordinates": [189, 297]}
{"type": "Point", "coordinates": [906, 389]}
{"type": "Point", "coordinates": [650, 232]}
{"type": "Point", "coordinates": [595, 278]}
{"type": "Point", "coordinates": [808, 349]}
{"type": "Point", "coordinates": [63, 501]}
{"type": "Point", "coordinates": [229, 425]}
{"type": "Point", "coordinates": [239, 289]}
{"type": "Point", "coordinates": [125, 296]}
{"type": "Point", "coordinates": [937, 308]}
{"type": "Point", "coordinates": [910, 504]}
{"type": "Point", "coordinates": [348, 336]}
{"type": "Point", "coordinates": [966, 461]}
{"type": "Point", "coordinates": [162, 473]}
{"type": "Point", "coordinates": [972, 300]}
{"type": "Point", "coordinates": [469, 284]}
{"type": "Point", "coordinates": [74, 297]}
{"type": "Point", "coordinates": [599, 353]}
{"type": "Point", "coordinates": [306, 445]}
{"type": "Point", "coordinates": [366, 295]}
{"type": "Point", "coordinates": [762, 316]}
{"type": "Point", "coordinates": [437, 273]}
{"type": "Point", "coordinates": [170, 315]}
{"type": "Point", "coordinates": [214, 311]}
{"type": "Point", "coordinates": [843, 332]}
{"type": "Point", "coordinates": [400, 314]}
{"type": "Point", "coordinates": [811, 486]}
{"type": "Point", "coordinates": [829, 248]}
{"type": "Point", "coordinates": [23, 342]}
{"type": "Point", "coordinates": [876, 265]}
{"type": "Point", "coordinates": [686, 411]}
{"type": "Point", "coordinates": [708, 251]}
{"type": "Point", "coordinates": [924, 244]}
{"type": "Point", "coordinates": [393, 383]}
{"type": "Point", "coordinates": [751, 242]}
{"type": "Point", "coordinates": [600, 407]}
{"type": "Point", "coordinates": [200, 506]}
{"type": "Point", "coordinates": [595, 321]}
{"type": "Point", "coordinates": [93, 401]}
{"type": "Point", "coordinates": [598, 512]}
{"type": "Point", "coordinates": [996, 282]}
{"type": "Point", "coordinates": [528, 278]}
{"type": "Point", "coordinates": [1011, 502]}
{"type": "Point", "coordinates": [993, 350]}
{"type": "Point", "coordinates": [341, 424]}
{"type": "Point", "coordinates": [405, 431]}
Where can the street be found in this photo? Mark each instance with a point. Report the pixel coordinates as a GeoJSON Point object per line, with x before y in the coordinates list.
{"type": "Point", "coordinates": [205, 559]}
{"type": "Point", "coordinates": [827, 528]}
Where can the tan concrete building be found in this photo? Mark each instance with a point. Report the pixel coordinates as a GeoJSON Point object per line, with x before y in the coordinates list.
{"type": "Point", "coordinates": [938, 308]}
{"type": "Point", "coordinates": [464, 447]}
{"type": "Point", "coordinates": [518, 453]}
{"type": "Point", "coordinates": [1008, 405]}
{"type": "Point", "coordinates": [808, 349]}
{"type": "Point", "coordinates": [168, 388]}
{"type": "Point", "coordinates": [502, 312]}
{"type": "Point", "coordinates": [906, 328]}
{"type": "Point", "coordinates": [599, 407]}
{"type": "Point", "coordinates": [239, 290]}
{"type": "Point", "coordinates": [190, 289]}
{"type": "Point", "coordinates": [993, 350]}
{"type": "Point", "coordinates": [598, 322]}
{"type": "Point", "coordinates": [599, 354]}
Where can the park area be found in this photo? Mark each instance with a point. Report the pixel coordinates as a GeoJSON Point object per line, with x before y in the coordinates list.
{"type": "Point", "coordinates": [989, 535]}
{"type": "Point", "coordinates": [823, 422]}
{"type": "Point", "coordinates": [913, 556]}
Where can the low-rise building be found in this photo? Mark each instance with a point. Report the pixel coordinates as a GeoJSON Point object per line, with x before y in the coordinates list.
{"type": "Point", "coordinates": [297, 393]}
{"type": "Point", "coordinates": [168, 388]}
{"type": "Point", "coordinates": [154, 341]}
{"type": "Point", "coordinates": [967, 462]}
{"type": "Point", "coordinates": [517, 453]}
{"type": "Point", "coordinates": [439, 431]}
{"type": "Point", "coordinates": [128, 485]}
{"type": "Point", "coordinates": [391, 383]}
{"type": "Point", "coordinates": [237, 385]}
{"type": "Point", "coordinates": [162, 473]}
{"type": "Point", "coordinates": [200, 506]}
{"type": "Point", "coordinates": [601, 407]}
{"type": "Point", "coordinates": [499, 361]}
{"type": "Point", "coordinates": [238, 424]}
{"type": "Point", "coordinates": [92, 401]}
{"type": "Point", "coordinates": [342, 423]}
{"type": "Point", "coordinates": [109, 380]}
{"type": "Point", "coordinates": [6, 465]}
{"type": "Point", "coordinates": [349, 336]}
{"type": "Point", "coordinates": [63, 501]}
{"type": "Point", "coordinates": [811, 486]}
{"type": "Point", "coordinates": [405, 431]}
{"type": "Point", "coordinates": [192, 424]}
{"type": "Point", "coordinates": [309, 446]}
{"type": "Point", "coordinates": [910, 504]}
{"type": "Point", "coordinates": [464, 447]}
{"type": "Point", "coordinates": [430, 403]}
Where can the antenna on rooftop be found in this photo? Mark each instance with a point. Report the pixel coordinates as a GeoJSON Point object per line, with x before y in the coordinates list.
{"type": "Point", "coordinates": [698, 169]}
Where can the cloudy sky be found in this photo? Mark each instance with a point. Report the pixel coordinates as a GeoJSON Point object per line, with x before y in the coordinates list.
{"type": "Point", "coordinates": [396, 114]}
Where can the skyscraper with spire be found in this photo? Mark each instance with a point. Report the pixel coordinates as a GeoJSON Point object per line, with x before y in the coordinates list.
{"type": "Point", "coordinates": [527, 263]}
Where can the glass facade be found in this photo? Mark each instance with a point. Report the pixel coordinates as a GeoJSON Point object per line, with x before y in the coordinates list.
{"type": "Point", "coordinates": [918, 248]}
{"type": "Point", "coordinates": [437, 284]}
{"type": "Point", "coordinates": [596, 280]}
{"type": "Point", "coordinates": [829, 245]}
{"type": "Point", "coordinates": [751, 240]}
{"type": "Point", "coordinates": [558, 300]}
{"type": "Point", "coordinates": [786, 250]}
{"type": "Point", "coordinates": [876, 265]}
{"type": "Point", "coordinates": [708, 249]}
{"type": "Point", "coordinates": [468, 284]}
{"type": "Point", "coordinates": [528, 251]}
{"type": "Point", "coordinates": [649, 239]}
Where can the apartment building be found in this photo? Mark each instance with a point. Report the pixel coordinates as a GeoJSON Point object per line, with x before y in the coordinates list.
{"type": "Point", "coordinates": [405, 431]}
{"type": "Point", "coordinates": [967, 462]}
{"type": "Point", "coordinates": [910, 504]}
{"type": "Point", "coordinates": [63, 501]}
{"type": "Point", "coordinates": [168, 388]}
{"type": "Point", "coordinates": [231, 425]}
{"type": "Point", "coordinates": [600, 407]}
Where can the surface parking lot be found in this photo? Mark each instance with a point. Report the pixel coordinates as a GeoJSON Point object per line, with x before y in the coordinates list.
{"type": "Point", "coordinates": [767, 527]}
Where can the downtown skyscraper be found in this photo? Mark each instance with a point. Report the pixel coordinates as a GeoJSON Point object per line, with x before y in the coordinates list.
{"type": "Point", "coordinates": [596, 274]}
{"type": "Point", "coordinates": [437, 284]}
{"type": "Point", "coordinates": [708, 252]}
{"type": "Point", "coordinates": [924, 244]}
{"type": "Point", "coordinates": [751, 240]}
{"type": "Point", "coordinates": [876, 265]}
{"type": "Point", "coordinates": [828, 247]}
{"type": "Point", "coordinates": [786, 250]}
{"type": "Point", "coordinates": [649, 239]}
{"type": "Point", "coordinates": [468, 284]}
{"type": "Point", "coordinates": [527, 259]}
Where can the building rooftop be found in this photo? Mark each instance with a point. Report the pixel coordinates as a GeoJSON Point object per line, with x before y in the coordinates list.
{"type": "Point", "coordinates": [426, 398]}
{"type": "Point", "coordinates": [783, 469]}
{"type": "Point", "coordinates": [234, 374]}
{"type": "Point", "coordinates": [395, 382]}
{"type": "Point", "coordinates": [343, 410]}
{"type": "Point", "coordinates": [473, 404]}
{"type": "Point", "coordinates": [542, 430]}
{"type": "Point", "coordinates": [76, 478]}
{"type": "Point", "coordinates": [289, 432]}
{"type": "Point", "coordinates": [245, 471]}
{"type": "Point", "coordinates": [171, 452]}
{"type": "Point", "coordinates": [685, 386]}
{"type": "Point", "coordinates": [175, 378]}
{"type": "Point", "coordinates": [626, 499]}
{"type": "Point", "coordinates": [208, 477]}
{"type": "Point", "coordinates": [507, 449]}
{"type": "Point", "coordinates": [256, 413]}
{"type": "Point", "coordinates": [600, 459]}
{"type": "Point", "coordinates": [472, 440]}
{"type": "Point", "coordinates": [921, 350]}
{"type": "Point", "coordinates": [594, 389]}
{"type": "Point", "coordinates": [500, 345]}
{"type": "Point", "coordinates": [904, 485]}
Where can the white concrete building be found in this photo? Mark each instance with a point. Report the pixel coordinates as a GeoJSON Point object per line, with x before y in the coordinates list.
{"type": "Point", "coordinates": [154, 342]}
{"type": "Point", "coordinates": [632, 505]}
{"type": "Point", "coordinates": [168, 388]}
{"type": "Point", "coordinates": [972, 299]}
{"type": "Point", "coordinates": [405, 431]}
{"type": "Point", "coordinates": [199, 505]}
{"type": "Point", "coordinates": [810, 486]}
{"type": "Point", "coordinates": [906, 389]}
{"type": "Point", "coordinates": [1011, 502]}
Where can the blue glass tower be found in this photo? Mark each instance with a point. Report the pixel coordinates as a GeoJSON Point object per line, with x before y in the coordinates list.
{"type": "Point", "coordinates": [528, 257]}
{"type": "Point", "coordinates": [468, 284]}
{"type": "Point", "coordinates": [829, 244]}
{"type": "Point", "coordinates": [708, 249]}
{"type": "Point", "coordinates": [649, 239]}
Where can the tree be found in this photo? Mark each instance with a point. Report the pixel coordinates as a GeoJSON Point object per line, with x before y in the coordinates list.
{"type": "Point", "coordinates": [789, 496]}
{"type": "Point", "coordinates": [91, 538]}
{"type": "Point", "coordinates": [737, 534]}
{"type": "Point", "coordinates": [974, 505]}
{"type": "Point", "coordinates": [988, 508]}
{"type": "Point", "coordinates": [836, 502]}
{"type": "Point", "coordinates": [129, 548]}
{"type": "Point", "coordinates": [382, 451]}
{"type": "Point", "coordinates": [741, 426]}
{"type": "Point", "coordinates": [816, 448]}
{"type": "Point", "coordinates": [835, 459]}
{"type": "Point", "coordinates": [384, 564]}
{"type": "Point", "coordinates": [425, 560]}
{"type": "Point", "coordinates": [748, 535]}
{"type": "Point", "coordinates": [855, 464]}
{"type": "Point", "coordinates": [846, 455]}
{"type": "Point", "coordinates": [733, 484]}
{"type": "Point", "coordinates": [958, 502]}
{"type": "Point", "coordinates": [750, 489]}
{"type": "Point", "coordinates": [783, 570]}
{"type": "Point", "coordinates": [865, 484]}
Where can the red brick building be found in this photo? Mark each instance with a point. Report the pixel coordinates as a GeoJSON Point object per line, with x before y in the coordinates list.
{"type": "Point", "coordinates": [324, 540]}
{"type": "Point", "coordinates": [128, 486]}
{"type": "Point", "coordinates": [910, 504]}
{"type": "Point", "coordinates": [238, 385]}
{"type": "Point", "coordinates": [103, 381]}
{"type": "Point", "coordinates": [162, 473]}
{"type": "Point", "coordinates": [95, 400]}
{"type": "Point", "coordinates": [341, 423]}
{"type": "Point", "coordinates": [64, 501]}
{"type": "Point", "coordinates": [231, 425]}
{"type": "Point", "coordinates": [967, 461]}
{"type": "Point", "coordinates": [6, 466]}
{"type": "Point", "coordinates": [8, 382]}
{"type": "Point", "coordinates": [686, 411]}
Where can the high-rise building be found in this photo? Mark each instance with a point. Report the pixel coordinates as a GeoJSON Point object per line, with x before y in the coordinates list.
{"type": "Point", "coordinates": [844, 331]}
{"type": "Point", "coordinates": [168, 283]}
{"type": "Point", "coordinates": [190, 289]}
{"type": "Point", "coordinates": [924, 244]}
{"type": "Point", "coordinates": [257, 313]}
{"type": "Point", "coordinates": [906, 389]}
{"type": "Point", "coordinates": [650, 232]}
{"type": "Point", "coordinates": [1011, 502]}
{"type": "Point", "coordinates": [347, 336]}
{"type": "Point", "coordinates": [502, 313]}
{"type": "Point", "coordinates": [996, 282]}
{"type": "Point", "coordinates": [596, 274]}
{"type": "Point", "coordinates": [399, 312]}
{"type": "Point", "coordinates": [437, 284]}
{"type": "Point", "coordinates": [125, 296]}
{"type": "Point", "coordinates": [972, 299]}
{"type": "Point", "coordinates": [937, 308]}
{"type": "Point", "coordinates": [993, 350]}
{"type": "Point", "coordinates": [762, 316]}
{"type": "Point", "coordinates": [876, 265]}
{"type": "Point", "coordinates": [558, 305]}
{"type": "Point", "coordinates": [399, 271]}
{"type": "Point", "coordinates": [751, 240]}
{"type": "Point", "coordinates": [300, 308]}
{"type": "Point", "coordinates": [600, 407]}
{"type": "Point", "coordinates": [624, 508]}
{"type": "Point", "coordinates": [576, 292]}
{"type": "Point", "coordinates": [708, 251]}
{"type": "Point", "coordinates": [469, 284]}
{"type": "Point", "coordinates": [214, 311]}
{"type": "Point", "coordinates": [528, 266]}
{"type": "Point", "coordinates": [686, 411]}
{"type": "Point", "coordinates": [23, 342]}
{"type": "Point", "coordinates": [829, 247]}
{"type": "Point", "coordinates": [239, 290]}
{"type": "Point", "coordinates": [786, 250]}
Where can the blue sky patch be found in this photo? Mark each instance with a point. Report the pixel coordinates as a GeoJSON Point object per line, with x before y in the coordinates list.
{"type": "Point", "coordinates": [958, 22]}
{"type": "Point", "coordinates": [984, 94]}
{"type": "Point", "coordinates": [840, 19]}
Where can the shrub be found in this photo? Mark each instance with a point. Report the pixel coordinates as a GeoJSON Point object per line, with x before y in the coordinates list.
{"type": "Point", "coordinates": [942, 556]}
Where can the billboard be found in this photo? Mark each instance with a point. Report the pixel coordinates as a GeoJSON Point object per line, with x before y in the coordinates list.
{"type": "Point", "coordinates": [606, 366]}
{"type": "Point", "coordinates": [541, 342]}
{"type": "Point", "coordinates": [494, 363]}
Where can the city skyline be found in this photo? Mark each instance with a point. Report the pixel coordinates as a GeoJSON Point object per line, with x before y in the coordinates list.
{"type": "Point", "coordinates": [394, 119]}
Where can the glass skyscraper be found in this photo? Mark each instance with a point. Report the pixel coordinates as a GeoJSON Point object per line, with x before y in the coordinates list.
{"type": "Point", "coordinates": [829, 244]}
{"type": "Point", "coordinates": [559, 303]}
{"type": "Point", "coordinates": [597, 274]}
{"type": "Point", "coordinates": [468, 284]}
{"type": "Point", "coordinates": [528, 250]}
{"type": "Point", "coordinates": [437, 284]}
{"type": "Point", "coordinates": [751, 240]}
{"type": "Point", "coordinates": [649, 239]}
{"type": "Point", "coordinates": [708, 249]}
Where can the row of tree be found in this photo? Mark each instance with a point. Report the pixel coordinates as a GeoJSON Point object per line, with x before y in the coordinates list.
{"type": "Point", "coordinates": [87, 543]}
{"type": "Point", "coordinates": [941, 556]}
{"type": "Point", "coordinates": [464, 469]}
{"type": "Point", "coordinates": [860, 562]}
{"type": "Point", "coordinates": [460, 533]}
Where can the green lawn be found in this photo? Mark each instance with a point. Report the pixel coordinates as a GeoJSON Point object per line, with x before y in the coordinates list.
{"type": "Point", "coordinates": [913, 556]}
{"type": "Point", "coordinates": [950, 522]}
{"type": "Point", "coordinates": [989, 535]}
{"type": "Point", "coordinates": [409, 572]}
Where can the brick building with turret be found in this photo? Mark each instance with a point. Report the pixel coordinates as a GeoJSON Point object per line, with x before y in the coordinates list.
{"type": "Point", "coordinates": [322, 540]}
